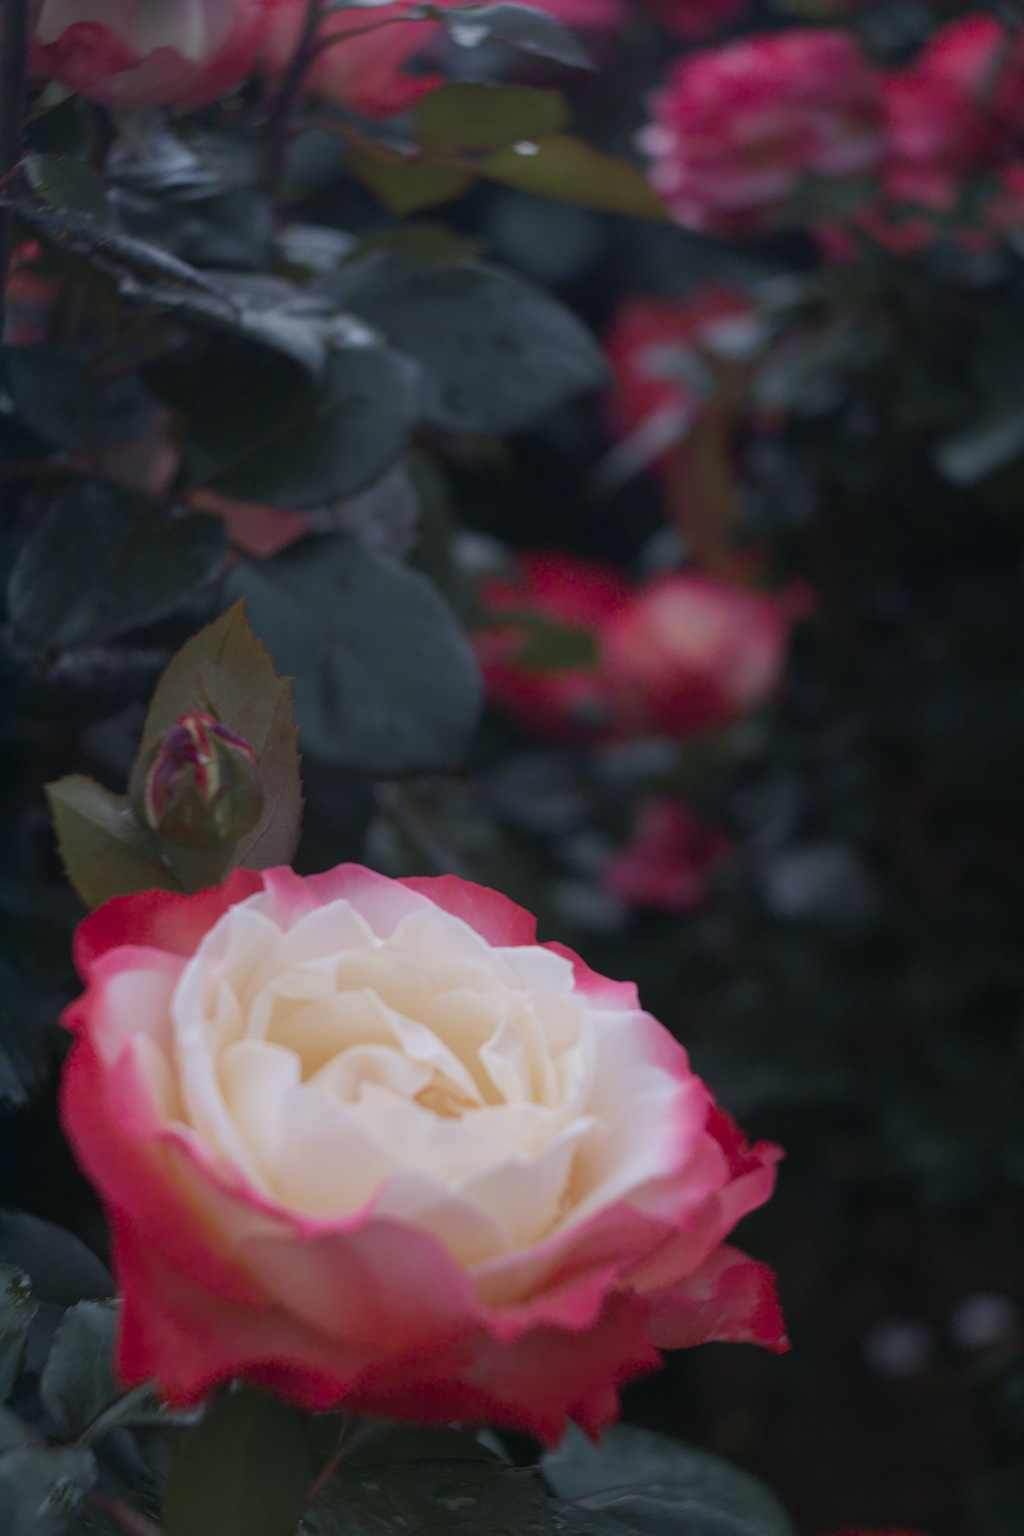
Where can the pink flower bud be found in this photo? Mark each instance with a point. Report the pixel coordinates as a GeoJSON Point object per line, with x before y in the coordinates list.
{"type": "Point", "coordinates": [199, 787]}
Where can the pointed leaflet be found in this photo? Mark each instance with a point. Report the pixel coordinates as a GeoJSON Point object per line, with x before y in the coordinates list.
{"type": "Point", "coordinates": [105, 851]}
{"type": "Point", "coordinates": [224, 669]}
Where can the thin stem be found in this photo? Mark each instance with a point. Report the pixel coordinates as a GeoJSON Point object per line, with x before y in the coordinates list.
{"type": "Point", "coordinates": [14, 31]}
{"type": "Point", "coordinates": [291, 85]}
{"type": "Point", "coordinates": [408, 815]}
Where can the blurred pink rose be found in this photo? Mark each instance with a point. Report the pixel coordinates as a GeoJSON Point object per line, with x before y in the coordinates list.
{"type": "Point", "coordinates": [668, 863]}
{"type": "Point", "coordinates": [562, 703]}
{"type": "Point", "coordinates": [647, 346]}
{"type": "Point", "coordinates": [689, 652]}
{"type": "Point", "coordinates": [366, 1143]}
{"type": "Point", "coordinates": [734, 129]}
{"type": "Point", "coordinates": [129, 54]}
{"type": "Point", "coordinates": [958, 109]}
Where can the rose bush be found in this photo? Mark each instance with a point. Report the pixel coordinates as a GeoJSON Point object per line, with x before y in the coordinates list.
{"type": "Point", "coordinates": [129, 54]}
{"type": "Point", "coordinates": [689, 652]}
{"type": "Point", "coordinates": [735, 129]}
{"type": "Point", "coordinates": [366, 1143]}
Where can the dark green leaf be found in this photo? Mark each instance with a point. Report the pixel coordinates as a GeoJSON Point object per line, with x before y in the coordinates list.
{"type": "Point", "coordinates": [521, 26]}
{"type": "Point", "coordinates": [13, 1431]}
{"type": "Point", "coordinates": [430, 1498]}
{"type": "Point", "coordinates": [385, 681]}
{"type": "Point", "coordinates": [61, 1268]}
{"type": "Point", "coordinates": [363, 414]}
{"type": "Point", "coordinates": [232, 229]}
{"type": "Point", "coordinates": [58, 394]}
{"type": "Point", "coordinates": [243, 1471]}
{"type": "Point", "coordinates": [66, 129]}
{"type": "Point", "coordinates": [77, 1381]}
{"type": "Point", "coordinates": [105, 560]}
{"type": "Point", "coordinates": [390, 1443]}
{"type": "Point", "coordinates": [143, 273]}
{"type": "Point", "coordinates": [237, 394]}
{"type": "Point", "coordinates": [468, 115]}
{"type": "Point", "coordinates": [408, 185]}
{"type": "Point", "coordinates": [423, 239]}
{"type": "Point", "coordinates": [655, 1485]}
{"type": "Point", "coordinates": [497, 353]}
{"type": "Point", "coordinates": [67, 184]}
{"type": "Point", "coordinates": [224, 668]}
{"type": "Point", "coordinates": [40, 1490]}
{"type": "Point", "coordinates": [549, 646]}
{"type": "Point", "coordinates": [105, 851]}
{"type": "Point", "coordinates": [573, 172]}
{"type": "Point", "coordinates": [17, 1309]}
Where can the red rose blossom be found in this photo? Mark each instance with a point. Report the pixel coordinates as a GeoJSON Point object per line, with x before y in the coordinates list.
{"type": "Point", "coordinates": [365, 1143]}
{"type": "Point", "coordinates": [957, 110]}
{"type": "Point", "coordinates": [735, 129]}
{"type": "Point", "coordinates": [689, 652]}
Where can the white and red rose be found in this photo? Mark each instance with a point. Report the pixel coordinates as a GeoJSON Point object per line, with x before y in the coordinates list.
{"type": "Point", "coordinates": [734, 130]}
{"type": "Point", "coordinates": [690, 652]}
{"type": "Point", "coordinates": [367, 1143]}
{"type": "Point", "coordinates": [130, 54]}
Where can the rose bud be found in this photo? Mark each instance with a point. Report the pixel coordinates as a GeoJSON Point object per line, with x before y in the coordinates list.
{"type": "Point", "coordinates": [198, 787]}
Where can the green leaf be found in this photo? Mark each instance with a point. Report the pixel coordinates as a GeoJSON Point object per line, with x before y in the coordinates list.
{"type": "Point", "coordinates": [520, 26]}
{"type": "Point", "coordinates": [243, 1471]}
{"type": "Point", "coordinates": [570, 170]}
{"type": "Point", "coordinates": [411, 184]}
{"type": "Point", "coordinates": [77, 1381]}
{"type": "Point", "coordinates": [142, 273]}
{"type": "Point", "coordinates": [496, 353]}
{"type": "Point", "coordinates": [67, 184]}
{"type": "Point", "coordinates": [66, 129]}
{"type": "Point", "coordinates": [61, 1268]}
{"type": "Point", "coordinates": [654, 1485]}
{"type": "Point", "coordinates": [385, 681]}
{"type": "Point", "coordinates": [360, 423]}
{"type": "Point", "coordinates": [398, 1443]}
{"type": "Point", "coordinates": [17, 1309]}
{"type": "Point", "coordinates": [40, 1490]}
{"type": "Point", "coordinates": [14, 1431]}
{"type": "Point", "coordinates": [105, 851]}
{"type": "Point", "coordinates": [58, 394]}
{"type": "Point", "coordinates": [550, 647]}
{"type": "Point", "coordinates": [105, 560]}
{"type": "Point", "coordinates": [468, 115]}
{"type": "Point", "coordinates": [226, 670]}
{"type": "Point", "coordinates": [432, 1497]}
{"type": "Point", "coordinates": [236, 393]}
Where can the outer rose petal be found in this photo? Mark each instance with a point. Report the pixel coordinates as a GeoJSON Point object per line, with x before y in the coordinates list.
{"type": "Point", "coordinates": [730, 1299]}
{"type": "Point", "coordinates": [96, 61]}
{"type": "Point", "coordinates": [493, 916]}
{"type": "Point", "coordinates": [159, 919]}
